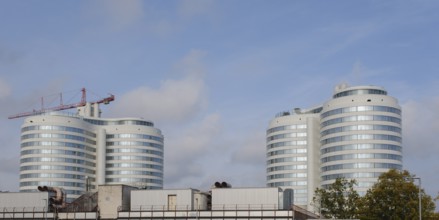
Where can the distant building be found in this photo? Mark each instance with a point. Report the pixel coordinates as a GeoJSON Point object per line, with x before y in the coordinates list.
{"type": "Point", "coordinates": [78, 152]}
{"type": "Point", "coordinates": [356, 135]}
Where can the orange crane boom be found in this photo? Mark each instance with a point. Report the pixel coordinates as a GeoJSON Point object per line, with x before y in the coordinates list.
{"type": "Point", "coordinates": [61, 107]}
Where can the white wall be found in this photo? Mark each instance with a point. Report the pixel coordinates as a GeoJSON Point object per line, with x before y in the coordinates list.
{"type": "Point", "coordinates": [158, 199]}
{"type": "Point", "coordinates": [246, 198]}
{"type": "Point", "coordinates": [25, 200]}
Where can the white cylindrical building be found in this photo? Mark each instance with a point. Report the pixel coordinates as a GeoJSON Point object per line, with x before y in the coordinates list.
{"type": "Point", "coordinates": [293, 154]}
{"type": "Point", "coordinates": [134, 154]}
{"type": "Point", "coordinates": [355, 135]}
{"type": "Point", "coordinates": [360, 135]}
{"type": "Point", "coordinates": [78, 152]}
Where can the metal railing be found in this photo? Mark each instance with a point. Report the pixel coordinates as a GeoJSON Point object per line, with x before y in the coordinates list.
{"type": "Point", "coordinates": [25, 213]}
{"type": "Point", "coordinates": [216, 207]}
{"type": "Point", "coordinates": [44, 213]}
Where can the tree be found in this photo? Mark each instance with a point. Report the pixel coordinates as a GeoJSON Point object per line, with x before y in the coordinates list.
{"type": "Point", "coordinates": [395, 196]}
{"type": "Point", "coordinates": [338, 201]}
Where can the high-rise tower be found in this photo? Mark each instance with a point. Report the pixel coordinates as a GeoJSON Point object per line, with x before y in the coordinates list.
{"type": "Point", "coordinates": [355, 135]}
{"type": "Point", "coordinates": [78, 152]}
{"type": "Point", "coordinates": [360, 135]}
{"type": "Point", "coordinates": [293, 153]}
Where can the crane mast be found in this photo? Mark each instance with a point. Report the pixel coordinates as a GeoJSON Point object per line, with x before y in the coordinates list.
{"type": "Point", "coordinates": [62, 106]}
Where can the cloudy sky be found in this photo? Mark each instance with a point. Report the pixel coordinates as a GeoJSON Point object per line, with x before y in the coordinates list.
{"type": "Point", "coordinates": [212, 74]}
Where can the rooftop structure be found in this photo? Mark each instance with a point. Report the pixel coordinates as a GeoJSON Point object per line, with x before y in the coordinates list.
{"type": "Point", "coordinates": [125, 202]}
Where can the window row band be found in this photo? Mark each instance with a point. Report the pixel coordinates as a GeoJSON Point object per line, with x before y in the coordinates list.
{"type": "Point", "coordinates": [362, 137]}
{"type": "Point", "coordinates": [362, 165]}
{"type": "Point", "coordinates": [57, 144]}
{"type": "Point", "coordinates": [360, 109]}
{"type": "Point", "coordinates": [62, 152]}
{"type": "Point", "coordinates": [287, 167]}
{"type": "Point", "coordinates": [361, 147]}
{"type": "Point", "coordinates": [286, 143]}
{"type": "Point", "coordinates": [58, 128]}
{"type": "Point", "coordinates": [286, 127]}
{"type": "Point", "coordinates": [361, 118]}
{"type": "Point", "coordinates": [361, 128]}
{"type": "Point", "coordinates": [59, 136]}
{"type": "Point", "coordinates": [361, 156]}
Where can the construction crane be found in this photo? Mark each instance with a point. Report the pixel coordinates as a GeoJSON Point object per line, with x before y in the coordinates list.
{"type": "Point", "coordinates": [62, 106]}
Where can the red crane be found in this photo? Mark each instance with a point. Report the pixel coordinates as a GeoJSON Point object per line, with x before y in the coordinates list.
{"type": "Point", "coordinates": [62, 106]}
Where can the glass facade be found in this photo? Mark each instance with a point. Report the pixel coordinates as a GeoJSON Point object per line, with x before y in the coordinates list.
{"type": "Point", "coordinates": [283, 154]}
{"type": "Point", "coordinates": [290, 157]}
{"type": "Point", "coordinates": [72, 152]}
{"type": "Point", "coordinates": [360, 136]}
{"type": "Point", "coordinates": [359, 92]}
{"type": "Point", "coordinates": [58, 156]}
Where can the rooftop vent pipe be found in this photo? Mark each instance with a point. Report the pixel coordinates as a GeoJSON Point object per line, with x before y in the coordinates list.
{"type": "Point", "coordinates": [58, 201]}
{"type": "Point", "coordinates": [222, 185]}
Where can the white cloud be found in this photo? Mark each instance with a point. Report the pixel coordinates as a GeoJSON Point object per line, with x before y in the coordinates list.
{"type": "Point", "coordinates": [178, 100]}
{"type": "Point", "coordinates": [191, 65]}
{"type": "Point", "coordinates": [421, 128]}
{"type": "Point", "coordinates": [174, 101]}
{"type": "Point", "coordinates": [252, 151]}
{"type": "Point", "coordinates": [9, 170]}
{"type": "Point", "coordinates": [11, 104]}
{"type": "Point", "coordinates": [186, 149]}
{"type": "Point", "coordinates": [248, 161]}
{"type": "Point", "coordinates": [118, 15]}
{"type": "Point", "coordinates": [10, 165]}
{"type": "Point", "coordinates": [420, 138]}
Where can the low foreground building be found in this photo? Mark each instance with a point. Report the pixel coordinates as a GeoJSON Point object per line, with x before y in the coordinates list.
{"type": "Point", "coordinates": [127, 202]}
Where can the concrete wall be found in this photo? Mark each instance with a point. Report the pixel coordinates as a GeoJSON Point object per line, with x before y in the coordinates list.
{"type": "Point", "coordinates": [159, 199]}
{"type": "Point", "coordinates": [111, 198]}
{"type": "Point", "coordinates": [247, 198]}
{"type": "Point", "coordinates": [24, 200]}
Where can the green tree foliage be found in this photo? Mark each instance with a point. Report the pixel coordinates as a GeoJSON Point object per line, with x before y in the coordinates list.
{"type": "Point", "coordinates": [395, 197]}
{"type": "Point", "coordinates": [338, 201]}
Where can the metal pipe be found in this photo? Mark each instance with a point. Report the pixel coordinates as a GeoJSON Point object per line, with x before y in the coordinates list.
{"type": "Point", "coordinates": [419, 195]}
{"type": "Point", "coordinates": [420, 199]}
{"type": "Point", "coordinates": [46, 208]}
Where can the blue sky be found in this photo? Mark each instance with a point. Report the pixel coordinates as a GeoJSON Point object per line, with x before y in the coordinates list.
{"type": "Point", "coordinates": [212, 74]}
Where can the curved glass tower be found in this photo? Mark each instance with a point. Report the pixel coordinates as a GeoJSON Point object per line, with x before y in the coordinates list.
{"type": "Point", "coordinates": [78, 152]}
{"type": "Point", "coordinates": [360, 135]}
{"type": "Point", "coordinates": [293, 153]}
{"type": "Point", "coordinates": [355, 135]}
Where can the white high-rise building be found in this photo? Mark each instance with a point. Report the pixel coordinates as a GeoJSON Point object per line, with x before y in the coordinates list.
{"type": "Point", "coordinates": [293, 153]}
{"type": "Point", "coordinates": [78, 152]}
{"type": "Point", "coordinates": [358, 135]}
